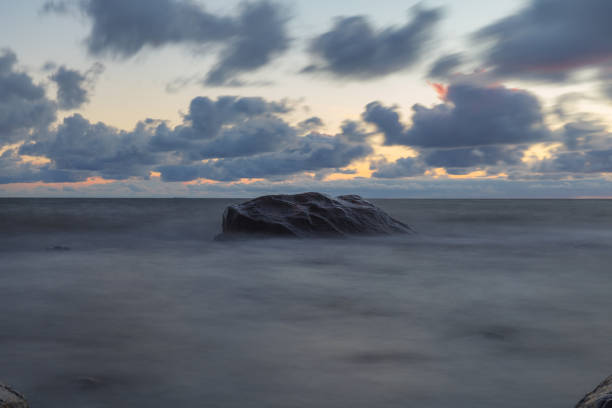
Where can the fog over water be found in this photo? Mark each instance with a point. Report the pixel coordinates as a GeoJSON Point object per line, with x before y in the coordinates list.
{"type": "Point", "coordinates": [494, 303]}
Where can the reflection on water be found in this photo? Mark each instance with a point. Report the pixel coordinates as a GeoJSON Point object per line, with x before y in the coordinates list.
{"type": "Point", "coordinates": [493, 303]}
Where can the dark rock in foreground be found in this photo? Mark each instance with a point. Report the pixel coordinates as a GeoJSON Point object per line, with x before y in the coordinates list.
{"type": "Point", "coordinates": [10, 398]}
{"type": "Point", "coordinates": [308, 215]}
{"type": "Point", "coordinates": [600, 397]}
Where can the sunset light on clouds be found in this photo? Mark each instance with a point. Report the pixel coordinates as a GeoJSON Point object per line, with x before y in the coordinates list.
{"type": "Point", "coordinates": [399, 99]}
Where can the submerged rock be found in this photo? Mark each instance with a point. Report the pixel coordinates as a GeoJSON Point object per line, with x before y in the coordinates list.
{"type": "Point", "coordinates": [600, 397]}
{"type": "Point", "coordinates": [308, 215]}
{"type": "Point", "coordinates": [10, 398]}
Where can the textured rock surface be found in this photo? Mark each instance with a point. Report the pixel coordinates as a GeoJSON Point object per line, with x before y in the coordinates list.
{"type": "Point", "coordinates": [10, 398]}
{"type": "Point", "coordinates": [600, 397]}
{"type": "Point", "coordinates": [308, 215]}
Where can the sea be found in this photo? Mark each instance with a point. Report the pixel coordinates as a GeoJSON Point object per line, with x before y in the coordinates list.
{"type": "Point", "coordinates": [132, 303]}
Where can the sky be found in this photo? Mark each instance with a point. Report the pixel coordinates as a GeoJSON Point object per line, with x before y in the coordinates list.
{"type": "Point", "coordinates": [211, 98]}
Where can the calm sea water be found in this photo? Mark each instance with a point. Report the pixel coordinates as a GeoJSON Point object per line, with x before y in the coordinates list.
{"type": "Point", "coordinates": [492, 304]}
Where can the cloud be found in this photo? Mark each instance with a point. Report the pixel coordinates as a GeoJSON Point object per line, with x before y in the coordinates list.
{"type": "Point", "coordinates": [475, 157]}
{"type": "Point", "coordinates": [387, 121]}
{"type": "Point", "coordinates": [444, 66]}
{"type": "Point", "coordinates": [230, 138]}
{"type": "Point", "coordinates": [354, 49]}
{"type": "Point", "coordinates": [478, 126]}
{"type": "Point", "coordinates": [78, 145]}
{"type": "Point", "coordinates": [261, 36]}
{"type": "Point", "coordinates": [124, 28]}
{"type": "Point", "coordinates": [549, 39]}
{"type": "Point", "coordinates": [224, 139]}
{"type": "Point", "coordinates": [403, 167]}
{"type": "Point", "coordinates": [353, 131]}
{"type": "Point", "coordinates": [249, 40]}
{"type": "Point", "coordinates": [585, 135]}
{"type": "Point", "coordinates": [208, 116]}
{"type": "Point", "coordinates": [589, 161]}
{"type": "Point", "coordinates": [472, 116]}
{"type": "Point", "coordinates": [14, 170]}
{"type": "Point", "coordinates": [585, 150]}
{"type": "Point", "coordinates": [23, 104]}
{"type": "Point", "coordinates": [228, 127]}
{"type": "Point", "coordinates": [70, 91]}
{"type": "Point", "coordinates": [311, 123]}
{"type": "Point", "coordinates": [605, 76]}
{"type": "Point", "coordinates": [253, 136]}
{"type": "Point", "coordinates": [454, 161]}
{"type": "Point", "coordinates": [309, 153]}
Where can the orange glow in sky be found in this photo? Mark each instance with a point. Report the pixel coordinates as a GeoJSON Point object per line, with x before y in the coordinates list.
{"type": "Point", "coordinates": [79, 184]}
{"type": "Point", "coordinates": [441, 90]}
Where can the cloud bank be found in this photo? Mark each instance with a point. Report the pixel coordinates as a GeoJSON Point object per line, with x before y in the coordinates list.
{"type": "Point", "coordinates": [226, 139]}
{"type": "Point", "coordinates": [231, 138]}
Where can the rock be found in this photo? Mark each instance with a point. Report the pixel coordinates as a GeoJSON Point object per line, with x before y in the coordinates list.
{"type": "Point", "coordinates": [600, 397]}
{"type": "Point", "coordinates": [10, 398]}
{"type": "Point", "coordinates": [308, 215]}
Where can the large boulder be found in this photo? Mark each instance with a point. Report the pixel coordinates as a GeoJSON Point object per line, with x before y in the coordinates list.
{"type": "Point", "coordinates": [600, 397]}
{"type": "Point", "coordinates": [308, 215]}
{"type": "Point", "coordinates": [10, 398]}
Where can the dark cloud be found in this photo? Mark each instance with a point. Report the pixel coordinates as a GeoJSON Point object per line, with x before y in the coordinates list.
{"type": "Point", "coordinates": [15, 170]}
{"type": "Point", "coordinates": [549, 39]}
{"type": "Point", "coordinates": [23, 104]}
{"type": "Point", "coordinates": [353, 48]}
{"type": "Point", "coordinates": [207, 116]}
{"type": "Point", "coordinates": [444, 66]}
{"type": "Point", "coordinates": [585, 135]}
{"type": "Point", "coordinates": [472, 116]}
{"type": "Point", "coordinates": [589, 161]}
{"type": "Point", "coordinates": [253, 136]}
{"type": "Point", "coordinates": [249, 40]}
{"type": "Point", "coordinates": [70, 91]}
{"type": "Point", "coordinates": [227, 127]}
{"type": "Point", "coordinates": [309, 153]}
{"type": "Point", "coordinates": [78, 145]}
{"type": "Point", "coordinates": [224, 139]}
{"type": "Point", "coordinates": [478, 127]}
{"type": "Point", "coordinates": [387, 121]}
{"type": "Point", "coordinates": [353, 131]}
{"type": "Point", "coordinates": [474, 157]}
{"type": "Point", "coordinates": [585, 150]}
{"type": "Point", "coordinates": [261, 36]}
{"type": "Point", "coordinates": [403, 167]}
{"type": "Point", "coordinates": [310, 124]}
{"type": "Point", "coordinates": [454, 161]}
{"type": "Point", "coordinates": [123, 28]}
{"type": "Point", "coordinates": [73, 87]}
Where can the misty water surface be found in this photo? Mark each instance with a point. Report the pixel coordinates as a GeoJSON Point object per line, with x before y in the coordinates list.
{"type": "Point", "coordinates": [493, 303]}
